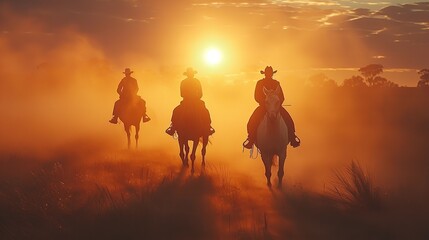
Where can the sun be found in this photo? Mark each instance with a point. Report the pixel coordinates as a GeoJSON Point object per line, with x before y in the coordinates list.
{"type": "Point", "coordinates": [213, 56]}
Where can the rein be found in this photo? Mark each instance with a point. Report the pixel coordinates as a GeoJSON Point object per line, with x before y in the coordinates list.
{"type": "Point", "coordinates": [175, 136]}
{"type": "Point", "coordinates": [251, 152]}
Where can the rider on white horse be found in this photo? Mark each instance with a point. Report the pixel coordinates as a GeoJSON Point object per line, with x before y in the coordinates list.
{"type": "Point", "coordinates": [127, 90]}
{"type": "Point", "coordinates": [191, 92]}
{"type": "Point", "coordinates": [268, 83]}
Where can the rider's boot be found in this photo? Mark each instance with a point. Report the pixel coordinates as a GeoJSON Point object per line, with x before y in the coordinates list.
{"type": "Point", "coordinates": [114, 120]}
{"type": "Point", "coordinates": [146, 118]}
{"type": "Point", "coordinates": [295, 141]}
{"type": "Point", "coordinates": [170, 130]}
{"type": "Point", "coordinates": [211, 130]}
{"type": "Point", "coordinates": [249, 142]}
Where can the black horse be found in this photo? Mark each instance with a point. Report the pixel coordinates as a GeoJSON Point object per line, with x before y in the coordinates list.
{"type": "Point", "coordinates": [131, 115]}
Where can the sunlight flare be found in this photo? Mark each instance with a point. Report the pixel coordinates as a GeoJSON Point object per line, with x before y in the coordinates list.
{"type": "Point", "coordinates": [213, 56]}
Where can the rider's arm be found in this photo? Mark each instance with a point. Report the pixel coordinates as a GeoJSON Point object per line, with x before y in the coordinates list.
{"type": "Point", "coordinates": [182, 90]}
{"type": "Point", "coordinates": [199, 90]}
{"type": "Point", "coordinates": [136, 87]}
{"type": "Point", "coordinates": [281, 95]}
{"type": "Point", "coordinates": [259, 93]}
{"type": "Point", "coordinates": [120, 86]}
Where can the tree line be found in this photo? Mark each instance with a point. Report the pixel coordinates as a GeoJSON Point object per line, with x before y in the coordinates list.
{"type": "Point", "coordinates": [369, 77]}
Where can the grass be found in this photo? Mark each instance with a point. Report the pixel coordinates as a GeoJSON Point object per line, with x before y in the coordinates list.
{"type": "Point", "coordinates": [317, 216]}
{"type": "Point", "coordinates": [355, 188]}
{"type": "Point", "coordinates": [125, 197]}
{"type": "Point", "coordinates": [122, 198]}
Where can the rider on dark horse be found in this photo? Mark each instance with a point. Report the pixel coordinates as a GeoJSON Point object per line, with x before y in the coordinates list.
{"type": "Point", "coordinates": [270, 84]}
{"type": "Point", "coordinates": [127, 90]}
{"type": "Point", "coordinates": [191, 92]}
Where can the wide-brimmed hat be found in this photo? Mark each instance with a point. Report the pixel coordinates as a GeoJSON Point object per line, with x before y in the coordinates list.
{"type": "Point", "coordinates": [127, 71]}
{"type": "Point", "coordinates": [189, 71]}
{"type": "Point", "coordinates": [268, 69]}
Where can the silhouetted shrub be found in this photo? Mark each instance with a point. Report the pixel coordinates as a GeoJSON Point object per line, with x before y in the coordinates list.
{"type": "Point", "coordinates": [354, 188]}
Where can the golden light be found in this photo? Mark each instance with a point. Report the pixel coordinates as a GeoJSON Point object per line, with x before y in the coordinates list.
{"type": "Point", "coordinates": [213, 56]}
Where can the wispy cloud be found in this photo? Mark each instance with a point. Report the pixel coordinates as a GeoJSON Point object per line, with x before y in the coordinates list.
{"type": "Point", "coordinates": [306, 3]}
{"type": "Point", "coordinates": [333, 31]}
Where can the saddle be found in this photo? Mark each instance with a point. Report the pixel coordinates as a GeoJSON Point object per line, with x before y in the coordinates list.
{"type": "Point", "coordinates": [192, 118]}
{"type": "Point", "coordinates": [132, 104]}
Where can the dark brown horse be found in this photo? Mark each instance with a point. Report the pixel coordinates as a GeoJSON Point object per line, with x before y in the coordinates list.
{"type": "Point", "coordinates": [191, 127]}
{"type": "Point", "coordinates": [132, 114]}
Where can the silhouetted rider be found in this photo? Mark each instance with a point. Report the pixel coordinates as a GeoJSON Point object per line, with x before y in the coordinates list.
{"type": "Point", "coordinates": [127, 90]}
{"type": "Point", "coordinates": [269, 83]}
{"type": "Point", "coordinates": [191, 92]}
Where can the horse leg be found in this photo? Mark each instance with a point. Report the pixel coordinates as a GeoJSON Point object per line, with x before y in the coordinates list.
{"type": "Point", "coordinates": [203, 150]}
{"type": "Point", "coordinates": [267, 159]}
{"type": "Point", "coordinates": [182, 153]}
{"type": "Point", "coordinates": [194, 149]}
{"type": "Point", "coordinates": [280, 173]}
{"type": "Point", "coordinates": [127, 130]}
{"type": "Point", "coordinates": [186, 151]}
{"type": "Point", "coordinates": [137, 134]}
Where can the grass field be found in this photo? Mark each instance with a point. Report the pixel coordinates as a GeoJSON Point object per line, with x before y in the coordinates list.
{"type": "Point", "coordinates": [361, 173]}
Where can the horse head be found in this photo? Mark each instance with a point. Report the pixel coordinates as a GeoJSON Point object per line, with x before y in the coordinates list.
{"type": "Point", "coordinates": [272, 102]}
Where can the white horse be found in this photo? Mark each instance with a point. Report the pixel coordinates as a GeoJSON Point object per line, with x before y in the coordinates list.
{"type": "Point", "coordinates": [272, 135]}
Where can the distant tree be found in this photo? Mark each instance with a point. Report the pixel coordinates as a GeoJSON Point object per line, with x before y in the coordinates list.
{"type": "Point", "coordinates": [390, 84]}
{"type": "Point", "coordinates": [355, 81]}
{"type": "Point", "coordinates": [321, 80]}
{"type": "Point", "coordinates": [424, 78]}
{"type": "Point", "coordinates": [383, 82]}
{"type": "Point", "coordinates": [370, 72]}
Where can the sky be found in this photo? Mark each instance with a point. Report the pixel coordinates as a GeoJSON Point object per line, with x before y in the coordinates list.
{"type": "Point", "coordinates": [335, 37]}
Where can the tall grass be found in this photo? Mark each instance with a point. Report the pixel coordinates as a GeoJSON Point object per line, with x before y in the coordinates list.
{"type": "Point", "coordinates": [355, 188]}
{"type": "Point", "coordinates": [124, 199]}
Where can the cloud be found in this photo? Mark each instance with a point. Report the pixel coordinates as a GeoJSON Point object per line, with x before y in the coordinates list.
{"type": "Point", "coordinates": [163, 30]}
{"type": "Point", "coordinates": [415, 13]}
{"type": "Point", "coordinates": [362, 11]}
{"type": "Point", "coordinates": [306, 3]}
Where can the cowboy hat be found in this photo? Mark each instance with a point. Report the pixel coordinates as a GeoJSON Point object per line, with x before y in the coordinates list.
{"type": "Point", "coordinates": [189, 71]}
{"type": "Point", "coordinates": [268, 69]}
{"type": "Point", "coordinates": [127, 71]}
